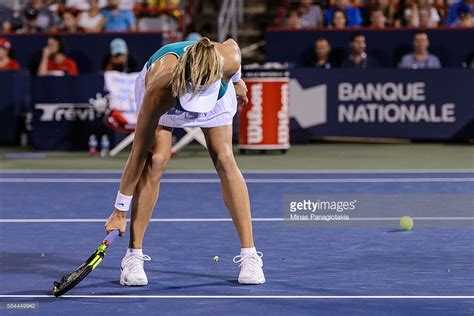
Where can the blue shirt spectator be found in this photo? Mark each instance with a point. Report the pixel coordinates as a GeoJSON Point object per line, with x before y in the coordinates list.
{"type": "Point", "coordinates": [463, 5]}
{"type": "Point", "coordinates": [354, 18]}
{"type": "Point", "coordinates": [118, 20]}
{"type": "Point", "coordinates": [420, 58]}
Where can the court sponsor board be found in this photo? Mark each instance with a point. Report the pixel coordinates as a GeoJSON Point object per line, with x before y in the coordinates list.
{"type": "Point", "coordinates": [388, 103]}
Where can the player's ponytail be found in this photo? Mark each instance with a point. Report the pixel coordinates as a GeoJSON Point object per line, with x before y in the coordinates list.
{"type": "Point", "coordinates": [200, 65]}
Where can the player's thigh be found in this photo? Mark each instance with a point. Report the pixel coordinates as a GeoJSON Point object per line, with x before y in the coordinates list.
{"type": "Point", "coordinates": [219, 141]}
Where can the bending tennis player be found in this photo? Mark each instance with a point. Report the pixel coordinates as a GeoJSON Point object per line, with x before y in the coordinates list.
{"type": "Point", "coordinates": [185, 84]}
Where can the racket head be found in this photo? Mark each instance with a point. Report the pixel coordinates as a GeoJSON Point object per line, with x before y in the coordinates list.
{"type": "Point", "coordinates": [71, 280]}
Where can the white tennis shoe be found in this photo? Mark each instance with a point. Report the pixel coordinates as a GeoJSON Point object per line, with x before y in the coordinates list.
{"type": "Point", "coordinates": [251, 268]}
{"type": "Point", "coordinates": [132, 273]}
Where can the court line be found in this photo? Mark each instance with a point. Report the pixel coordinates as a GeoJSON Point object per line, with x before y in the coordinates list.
{"type": "Point", "coordinates": [276, 181]}
{"type": "Point", "coordinates": [225, 219]}
{"type": "Point", "coordinates": [289, 171]}
{"type": "Point", "coordinates": [330, 297]}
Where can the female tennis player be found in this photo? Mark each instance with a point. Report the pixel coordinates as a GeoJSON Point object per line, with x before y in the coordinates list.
{"type": "Point", "coordinates": [185, 84]}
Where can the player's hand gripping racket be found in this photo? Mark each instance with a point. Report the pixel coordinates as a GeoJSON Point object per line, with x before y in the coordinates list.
{"type": "Point", "coordinates": [72, 279]}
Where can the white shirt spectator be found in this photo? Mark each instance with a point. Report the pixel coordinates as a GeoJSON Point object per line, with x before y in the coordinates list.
{"type": "Point", "coordinates": [127, 5]}
{"type": "Point", "coordinates": [412, 15]}
{"type": "Point", "coordinates": [89, 22]}
{"type": "Point", "coordinates": [313, 17]}
{"type": "Point", "coordinates": [83, 5]}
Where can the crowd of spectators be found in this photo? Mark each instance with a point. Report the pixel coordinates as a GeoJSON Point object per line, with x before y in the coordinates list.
{"type": "Point", "coordinates": [341, 14]}
{"type": "Point", "coordinates": [54, 61]}
{"type": "Point", "coordinates": [323, 57]}
{"type": "Point", "coordinates": [72, 16]}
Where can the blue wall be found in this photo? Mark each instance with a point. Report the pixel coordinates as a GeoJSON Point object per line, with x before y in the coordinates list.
{"type": "Point", "coordinates": [451, 46]}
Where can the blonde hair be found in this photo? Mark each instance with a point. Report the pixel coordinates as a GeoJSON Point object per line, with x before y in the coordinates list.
{"type": "Point", "coordinates": [200, 65]}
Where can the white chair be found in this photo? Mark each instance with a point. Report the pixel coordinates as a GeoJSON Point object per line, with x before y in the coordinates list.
{"type": "Point", "coordinates": [121, 112]}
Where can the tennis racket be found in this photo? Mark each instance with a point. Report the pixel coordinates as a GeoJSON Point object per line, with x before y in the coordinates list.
{"type": "Point", "coordinates": [72, 279]}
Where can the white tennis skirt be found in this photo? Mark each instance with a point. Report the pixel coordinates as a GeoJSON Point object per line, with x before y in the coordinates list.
{"type": "Point", "coordinates": [222, 113]}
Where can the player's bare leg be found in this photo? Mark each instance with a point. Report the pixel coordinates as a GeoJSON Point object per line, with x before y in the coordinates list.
{"type": "Point", "coordinates": [234, 189]}
{"type": "Point", "coordinates": [144, 200]}
{"type": "Point", "coordinates": [236, 198]}
{"type": "Point", "coordinates": [148, 188]}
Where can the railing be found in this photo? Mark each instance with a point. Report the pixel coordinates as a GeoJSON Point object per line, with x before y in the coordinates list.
{"type": "Point", "coordinates": [230, 15]}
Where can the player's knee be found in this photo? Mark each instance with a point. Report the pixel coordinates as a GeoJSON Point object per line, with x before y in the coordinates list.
{"type": "Point", "coordinates": [225, 162]}
{"type": "Point", "coordinates": [159, 162]}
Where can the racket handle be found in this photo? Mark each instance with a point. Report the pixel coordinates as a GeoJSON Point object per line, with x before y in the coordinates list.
{"type": "Point", "coordinates": [111, 237]}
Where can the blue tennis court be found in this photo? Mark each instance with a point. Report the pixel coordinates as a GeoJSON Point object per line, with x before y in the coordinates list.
{"type": "Point", "coordinates": [50, 222]}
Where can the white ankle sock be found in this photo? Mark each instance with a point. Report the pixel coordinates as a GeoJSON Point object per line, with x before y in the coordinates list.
{"type": "Point", "coordinates": [247, 251]}
{"type": "Point", "coordinates": [133, 251]}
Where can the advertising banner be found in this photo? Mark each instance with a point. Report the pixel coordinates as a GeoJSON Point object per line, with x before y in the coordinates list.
{"type": "Point", "coordinates": [409, 104]}
{"type": "Point", "coordinates": [63, 118]}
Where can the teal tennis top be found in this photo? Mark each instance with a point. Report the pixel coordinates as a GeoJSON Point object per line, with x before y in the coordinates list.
{"type": "Point", "coordinates": [177, 49]}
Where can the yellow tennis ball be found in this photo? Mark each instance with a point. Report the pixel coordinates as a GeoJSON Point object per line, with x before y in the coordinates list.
{"type": "Point", "coordinates": [406, 223]}
{"type": "Point", "coordinates": [216, 258]}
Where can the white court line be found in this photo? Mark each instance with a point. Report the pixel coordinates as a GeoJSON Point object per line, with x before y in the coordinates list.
{"type": "Point", "coordinates": [277, 171]}
{"type": "Point", "coordinates": [329, 297]}
{"type": "Point", "coordinates": [224, 219]}
{"type": "Point", "coordinates": [282, 180]}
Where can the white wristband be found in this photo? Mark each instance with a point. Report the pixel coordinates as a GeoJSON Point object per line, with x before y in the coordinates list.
{"type": "Point", "coordinates": [122, 202]}
{"type": "Point", "coordinates": [236, 77]}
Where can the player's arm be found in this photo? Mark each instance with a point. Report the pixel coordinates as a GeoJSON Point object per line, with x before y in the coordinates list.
{"type": "Point", "coordinates": [232, 68]}
{"type": "Point", "coordinates": [157, 101]}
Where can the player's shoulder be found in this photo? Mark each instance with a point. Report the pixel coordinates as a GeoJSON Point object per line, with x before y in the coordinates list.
{"type": "Point", "coordinates": [160, 73]}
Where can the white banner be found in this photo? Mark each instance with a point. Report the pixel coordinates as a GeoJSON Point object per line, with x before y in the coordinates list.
{"type": "Point", "coordinates": [121, 87]}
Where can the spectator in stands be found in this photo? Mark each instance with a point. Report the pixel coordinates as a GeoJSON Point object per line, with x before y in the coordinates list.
{"type": "Point", "coordinates": [31, 19]}
{"type": "Point", "coordinates": [14, 21]}
{"type": "Point", "coordinates": [353, 15]}
{"type": "Point", "coordinates": [119, 58]}
{"type": "Point", "coordinates": [377, 19]}
{"type": "Point", "coordinates": [442, 7]}
{"type": "Point", "coordinates": [46, 19]}
{"type": "Point", "coordinates": [420, 58]}
{"type": "Point", "coordinates": [83, 5]}
{"type": "Point", "coordinates": [389, 11]}
{"type": "Point", "coordinates": [320, 55]}
{"type": "Point", "coordinates": [358, 57]}
{"type": "Point", "coordinates": [6, 27]}
{"type": "Point", "coordinates": [118, 20]}
{"type": "Point", "coordinates": [5, 13]}
{"type": "Point", "coordinates": [453, 15]}
{"type": "Point", "coordinates": [294, 19]}
{"type": "Point", "coordinates": [424, 18]}
{"type": "Point", "coordinates": [339, 20]}
{"type": "Point", "coordinates": [53, 60]}
{"type": "Point", "coordinates": [69, 24]}
{"type": "Point", "coordinates": [465, 18]}
{"type": "Point", "coordinates": [421, 9]}
{"type": "Point", "coordinates": [7, 63]}
{"type": "Point", "coordinates": [311, 14]}
{"type": "Point", "coordinates": [92, 20]}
